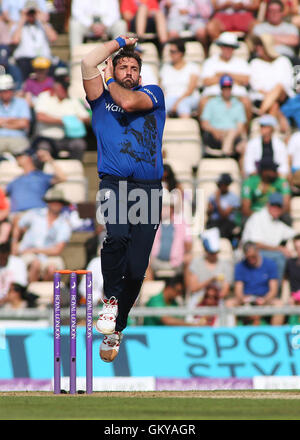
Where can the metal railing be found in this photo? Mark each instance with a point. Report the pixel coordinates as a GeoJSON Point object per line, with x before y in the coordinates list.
{"type": "Point", "coordinates": [221, 311]}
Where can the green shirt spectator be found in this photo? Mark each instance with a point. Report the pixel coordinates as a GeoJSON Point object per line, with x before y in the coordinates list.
{"type": "Point", "coordinates": [257, 188]}
{"type": "Point", "coordinates": [166, 298]}
{"type": "Point", "coordinates": [157, 301]}
{"type": "Point", "coordinates": [254, 190]}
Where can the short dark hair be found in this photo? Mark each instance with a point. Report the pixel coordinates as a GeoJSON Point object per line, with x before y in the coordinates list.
{"type": "Point", "coordinates": [276, 2]}
{"type": "Point", "coordinates": [297, 237]}
{"type": "Point", "coordinates": [173, 281]}
{"type": "Point", "coordinates": [180, 44]}
{"type": "Point", "coordinates": [249, 245]}
{"type": "Point", "coordinates": [127, 52]}
{"type": "Point", "coordinates": [5, 248]}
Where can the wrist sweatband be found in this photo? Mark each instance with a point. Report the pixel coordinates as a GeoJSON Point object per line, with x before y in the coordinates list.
{"type": "Point", "coordinates": [109, 80]}
{"type": "Point", "coordinates": [121, 41]}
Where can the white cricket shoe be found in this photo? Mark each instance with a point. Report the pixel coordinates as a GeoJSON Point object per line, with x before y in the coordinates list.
{"type": "Point", "coordinates": [106, 322]}
{"type": "Point", "coordinates": [109, 348]}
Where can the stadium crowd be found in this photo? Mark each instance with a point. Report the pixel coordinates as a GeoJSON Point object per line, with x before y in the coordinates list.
{"type": "Point", "coordinates": [230, 68]}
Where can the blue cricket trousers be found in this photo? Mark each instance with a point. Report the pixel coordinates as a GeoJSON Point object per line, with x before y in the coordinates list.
{"type": "Point", "coordinates": [132, 213]}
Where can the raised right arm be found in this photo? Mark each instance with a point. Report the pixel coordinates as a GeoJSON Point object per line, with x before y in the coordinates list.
{"type": "Point", "coordinates": [91, 75]}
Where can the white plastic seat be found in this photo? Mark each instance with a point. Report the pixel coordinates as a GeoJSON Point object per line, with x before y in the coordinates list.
{"type": "Point", "coordinates": [210, 169]}
{"type": "Point", "coordinates": [70, 167]}
{"type": "Point", "coordinates": [9, 170]}
{"type": "Point", "coordinates": [182, 156]}
{"type": "Point", "coordinates": [149, 289]}
{"type": "Point", "coordinates": [44, 289]}
{"type": "Point", "coordinates": [181, 129]}
{"type": "Point", "coordinates": [74, 190]}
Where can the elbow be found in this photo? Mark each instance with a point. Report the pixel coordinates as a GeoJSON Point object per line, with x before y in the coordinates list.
{"type": "Point", "coordinates": [127, 106]}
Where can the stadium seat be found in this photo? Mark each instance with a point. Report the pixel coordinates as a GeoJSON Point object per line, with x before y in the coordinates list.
{"type": "Point", "coordinates": [70, 167]}
{"type": "Point", "coordinates": [9, 170]}
{"type": "Point", "coordinates": [149, 289]}
{"type": "Point", "coordinates": [74, 254]}
{"type": "Point", "coordinates": [150, 53]}
{"type": "Point", "coordinates": [74, 189]}
{"type": "Point", "coordinates": [44, 290]}
{"type": "Point", "coordinates": [295, 213]}
{"type": "Point", "coordinates": [182, 156]}
{"type": "Point", "coordinates": [295, 208]}
{"type": "Point", "coordinates": [210, 169]}
{"type": "Point", "coordinates": [194, 52]}
{"type": "Point", "coordinates": [181, 129]}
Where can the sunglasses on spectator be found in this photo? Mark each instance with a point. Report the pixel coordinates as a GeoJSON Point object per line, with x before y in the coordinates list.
{"type": "Point", "coordinates": [174, 51]}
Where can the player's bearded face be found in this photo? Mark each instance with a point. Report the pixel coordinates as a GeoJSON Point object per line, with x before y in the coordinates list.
{"type": "Point", "coordinates": [127, 73]}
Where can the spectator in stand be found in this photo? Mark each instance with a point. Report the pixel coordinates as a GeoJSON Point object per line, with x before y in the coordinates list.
{"type": "Point", "coordinates": [32, 36]}
{"type": "Point", "coordinates": [8, 65]}
{"type": "Point", "coordinates": [258, 187]}
{"type": "Point", "coordinates": [26, 192]}
{"type": "Point", "coordinates": [223, 122]}
{"type": "Point", "coordinates": [294, 159]}
{"type": "Point", "coordinates": [174, 288]}
{"type": "Point", "coordinates": [179, 80]}
{"type": "Point", "coordinates": [211, 298]}
{"type": "Point", "coordinates": [12, 270]}
{"type": "Point", "coordinates": [18, 298]}
{"type": "Point", "coordinates": [269, 233]}
{"type": "Point", "coordinates": [208, 269]}
{"type": "Point", "coordinates": [147, 72]}
{"type": "Point", "coordinates": [285, 35]}
{"type": "Point", "coordinates": [14, 118]}
{"type": "Point", "coordinates": [271, 76]}
{"type": "Point", "coordinates": [4, 31]}
{"type": "Point", "coordinates": [292, 273]}
{"type": "Point", "coordinates": [188, 15]}
{"type": "Point", "coordinates": [267, 145]}
{"type": "Point", "coordinates": [145, 16]}
{"type": "Point", "coordinates": [170, 183]}
{"type": "Point", "coordinates": [45, 233]}
{"type": "Point", "coordinates": [5, 225]}
{"type": "Point", "coordinates": [226, 63]}
{"type": "Point", "coordinates": [256, 283]}
{"type": "Point", "coordinates": [232, 15]}
{"type": "Point", "coordinates": [95, 19]}
{"type": "Point", "coordinates": [61, 121]}
{"type": "Point", "coordinates": [291, 108]}
{"type": "Point", "coordinates": [94, 266]}
{"type": "Point", "coordinates": [222, 208]}
{"type": "Point", "coordinates": [39, 81]}
{"type": "Point", "coordinates": [173, 242]}
{"type": "Point", "coordinates": [12, 9]}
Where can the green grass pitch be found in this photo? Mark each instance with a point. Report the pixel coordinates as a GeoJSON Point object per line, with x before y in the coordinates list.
{"type": "Point", "coordinates": [209, 405]}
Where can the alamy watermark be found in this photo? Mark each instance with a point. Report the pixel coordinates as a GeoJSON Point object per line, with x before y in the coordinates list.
{"type": "Point", "coordinates": [138, 206]}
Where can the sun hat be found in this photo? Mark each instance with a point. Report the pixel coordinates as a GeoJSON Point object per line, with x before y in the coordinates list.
{"type": "Point", "coordinates": [41, 63]}
{"type": "Point", "coordinates": [6, 82]}
{"type": "Point", "coordinates": [228, 39]}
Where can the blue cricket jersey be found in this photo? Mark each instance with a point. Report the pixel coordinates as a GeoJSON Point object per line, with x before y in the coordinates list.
{"type": "Point", "coordinates": [129, 143]}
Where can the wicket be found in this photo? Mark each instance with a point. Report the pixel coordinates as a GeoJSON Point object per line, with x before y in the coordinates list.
{"type": "Point", "coordinates": [73, 327]}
